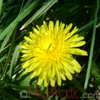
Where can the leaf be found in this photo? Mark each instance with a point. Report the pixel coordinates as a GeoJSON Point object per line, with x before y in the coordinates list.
{"type": "Point", "coordinates": [19, 18]}
{"type": "Point", "coordinates": [1, 59]}
{"type": "Point", "coordinates": [1, 3]}
{"type": "Point", "coordinates": [14, 60]}
{"type": "Point", "coordinates": [96, 74]}
{"type": "Point", "coordinates": [6, 40]}
{"type": "Point", "coordinates": [95, 71]}
{"type": "Point", "coordinates": [25, 81]}
{"type": "Point", "coordinates": [40, 12]}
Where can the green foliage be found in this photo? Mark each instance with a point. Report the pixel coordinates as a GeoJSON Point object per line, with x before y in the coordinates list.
{"type": "Point", "coordinates": [17, 17]}
{"type": "Point", "coordinates": [95, 74]}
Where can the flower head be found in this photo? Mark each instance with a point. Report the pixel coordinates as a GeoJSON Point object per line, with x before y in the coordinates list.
{"type": "Point", "coordinates": [47, 52]}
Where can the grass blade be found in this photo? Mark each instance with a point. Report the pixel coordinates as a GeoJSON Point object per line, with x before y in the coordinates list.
{"type": "Point", "coordinates": [40, 12]}
{"type": "Point", "coordinates": [19, 18]}
{"type": "Point", "coordinates": [6, 39]}
{"type": "Point", "coordinates": [10, 52]}
{"type": "Point", "coordinates": [91, 51]}
{"type": "Point", "coordinates": [1, 2]}
{"type": "Point", "coordinates": [90, 24]}
{"type": "Point", "coordinates": [14, 60]}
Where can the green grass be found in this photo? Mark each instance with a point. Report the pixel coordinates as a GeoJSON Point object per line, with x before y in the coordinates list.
{"type": "Point", "coordinates": [17, 17]}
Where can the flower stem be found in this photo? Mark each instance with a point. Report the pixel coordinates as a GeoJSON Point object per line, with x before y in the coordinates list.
{"type": "Point", "coordinates": [91, 50]}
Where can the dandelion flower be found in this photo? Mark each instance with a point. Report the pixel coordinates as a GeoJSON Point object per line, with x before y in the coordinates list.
{"type": "Point", "coordinates": [48, 50]}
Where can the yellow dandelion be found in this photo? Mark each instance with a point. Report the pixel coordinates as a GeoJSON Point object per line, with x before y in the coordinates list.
{"type": "Point", "coordinates": [47, 52]}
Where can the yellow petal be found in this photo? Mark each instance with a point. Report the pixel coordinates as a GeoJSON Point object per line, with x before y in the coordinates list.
{"type": "Point", "coordinates": [51, 26]}
{"type": "Point", "coordinates": [67, 29]}
{"type": "Point", "coordinates": [25, 57]}
{"type": "Point", "coordinates": [71, 33]}
{"type": "Point", "coordinates": [37, 27]}
{"type": "Point", "coordinates": [58, 78]}
{"type": "Point", "coordinates": [53, 72]}
{"type": "Point", "coordinates": [32, 67]}
{"type": "Point", "coordinates": [38, 71]}
{"type": "Point", "coordinates": [77, 66]}
{"type": "Point", "coordinates": [78, 44]}
{"type": "Point", "coordinates": [74, 30]}
{"type": "Point", "coordinates": [53, 82]}
{"type": "Point", "coordinates": [40, 80]}
{"type": "Point", "coordinates": [70, 39]}
{"type": "Point", "coordinates": [28, 40]}
{"type": "Point", "coordinates": [68, 75]}
{"type": "Point", "coordinates": [46, 81]}
{"type": "Point", "coordinates": [23, 50]}
{"type": "Point", "coordinates": [42, 77]}
{"type": "Point", "coordinates": [78, 38]}
{"type": "Point", "coordinates": [26, 64]}
{"type": "Point", "coordinates": [76, 69]}
{"type": "Point", "coordinates": [43, 74]}
{"type": "Point", "coordinates": [32, 36]}
{"type": "Point", "coordinates": [69, 68]}
{"type": "Point", "coordinates": [35, 30]}
{"type": "Point", "coordinates": [59, 65]}
{"type": "Point", "coordinates": [56, 27]}
{"type": "Point", "coordinates": [22, 45]}
{"type": "Point", "coordinates": [61, 28]}
{"type": "Point", "coordinates": [33, 75]}
{"type": "Point", "coordinates": [66, 65]}
{"type": "Point", "coordinates": [77, 51]}
{"type": "Point", "coordinates": [49, 73]}
{"type": "Point", "coordinates": [62, 75]}
{"type": "Point", "coordinates": [45, 25]}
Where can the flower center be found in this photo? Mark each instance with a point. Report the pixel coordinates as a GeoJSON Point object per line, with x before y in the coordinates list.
{"type": "Point", "coordinates": [52, 49]}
